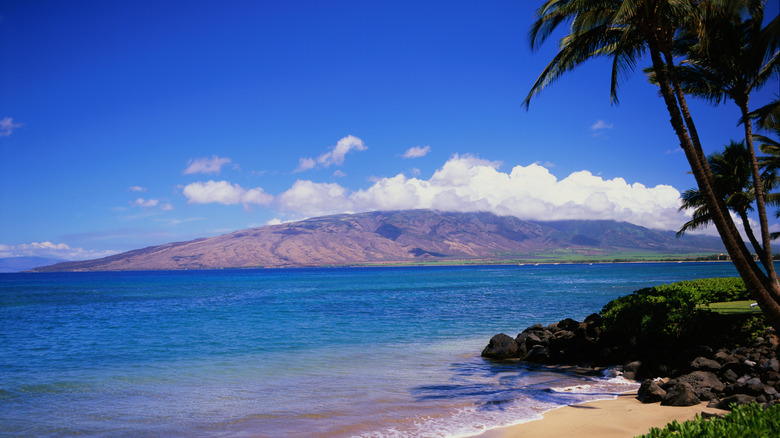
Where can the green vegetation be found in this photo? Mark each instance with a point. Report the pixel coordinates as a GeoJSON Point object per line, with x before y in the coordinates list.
{"type": "Point", "coordinates": [743, 421]}
{"type": "Point", "coordinates": [671, 311]}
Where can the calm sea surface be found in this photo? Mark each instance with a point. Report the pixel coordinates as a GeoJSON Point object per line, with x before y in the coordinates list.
{"type": "Point", "coordinates": [370, 352]}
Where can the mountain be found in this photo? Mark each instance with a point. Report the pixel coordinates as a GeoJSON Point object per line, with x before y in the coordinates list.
{"type": "Point", "coordinates": [397, 236]}
{"type": "Point", "coordinates": [18, 264]}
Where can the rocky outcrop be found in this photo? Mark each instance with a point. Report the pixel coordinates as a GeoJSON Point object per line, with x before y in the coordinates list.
{"type": "Point", "coordinates": [568, 342]}
{"type": "Point", "coordinates": [718, 375]}
{"type": "Point", "coordinates": [501, 346]}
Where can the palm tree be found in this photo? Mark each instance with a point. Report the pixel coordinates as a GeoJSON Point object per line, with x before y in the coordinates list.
{"type": "Point", "coordinates": [625, 30]}
{"type": "Point", "coordinates": [734, 57]}
{"type": "Point", "coordinates": [731, 169]}
{"type": "Point", "coordinates": [768, 119]}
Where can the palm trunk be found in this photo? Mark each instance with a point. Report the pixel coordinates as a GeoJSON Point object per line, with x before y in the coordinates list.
{"type": "Point", "coordinates": [682, 104]}
{"type": "Point", "coordinates": [752, 237]}
{"type": "Point", "coordinates": [770, 277]}
{"type": "Point", "coordinates": [758, 285]}
{"type": "Point", "coordinates": [759, 188]}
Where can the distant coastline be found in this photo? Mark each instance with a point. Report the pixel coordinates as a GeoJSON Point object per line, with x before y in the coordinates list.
{"type": "Point", "coordinates": [414, 238]}
{"type": "Point", "coordinates": [448, 263]}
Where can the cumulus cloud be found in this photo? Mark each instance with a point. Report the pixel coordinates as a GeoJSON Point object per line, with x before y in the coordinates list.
{"type": "Point", "coordinates": [314, 199]}
{"type": "Point", "coordinates": [223, 192]}
{"type": "Point", "coordinates": [600, 126]}
{"type": "Point", "coordinates": [468, 183]}
{"type": "Point", "coordinates": [51, 250]}
{"type": "Point", "coordinates": [417, 151]}
{"type": "Point", "coordinates": [335, 155]}
{"type": "Point", "coordinates": [206, 165]}
{"type": "Point", "coordinates": [136, 189]}
{"type": "Point", "coordinates": [7, 126]}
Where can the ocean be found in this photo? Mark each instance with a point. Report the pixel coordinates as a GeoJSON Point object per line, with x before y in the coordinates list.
{"type": "Point", "coordinates": [321, 352]}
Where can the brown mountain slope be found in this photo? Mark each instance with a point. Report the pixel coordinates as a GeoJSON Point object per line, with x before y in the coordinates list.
{"type": "Point", "coordinates": [401, 236]}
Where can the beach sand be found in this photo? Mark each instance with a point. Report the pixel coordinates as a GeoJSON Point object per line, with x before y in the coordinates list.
{"type": "Point", "coordinates": [623, 417]}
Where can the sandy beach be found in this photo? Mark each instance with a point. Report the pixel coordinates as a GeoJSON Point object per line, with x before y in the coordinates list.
{"type": "Point", "coordinates": [623, 417]}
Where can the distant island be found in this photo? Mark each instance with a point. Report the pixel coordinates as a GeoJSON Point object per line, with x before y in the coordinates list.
{"type": "Point", "coordinates": [409, 237]}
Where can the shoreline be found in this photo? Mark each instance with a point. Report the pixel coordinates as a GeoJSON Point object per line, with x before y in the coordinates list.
{"type": "Point", "coordinates": [621, 417]}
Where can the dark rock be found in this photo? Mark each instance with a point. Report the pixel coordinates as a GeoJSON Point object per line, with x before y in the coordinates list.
{"type": "Point", "coordinates": [702, 363]}
{"type": "Point", "coordinates": [650, 392]}
{"type": "Point", "coordinates": [531, 339]}
{"type": "Point", "coordinates": [681, 394]}
{"type": "Point", "coordinates": [522, 345]}
{"type": "Point", "coordinates": [593, 319]}
{"type": "Point", "coordinates": [501, 346]}
{"type": "Point", "coordinates": [632, 366]}
{"type": "Point", "coordinates": [730, 375]}
{"type": "Point", "coordinates": [771, 365]}
{"type": "Point", "coordinates": [706, 395]}
{"type": "Point", "coordinates": [534, 328]}
{"type": "Point", "coordinates": [745, 385]}
{"type": "Point", "coordinates": [754, 386]}
{"type": "Point", "coordinates": [702, 380]}
{"type": "Point", "coordinates": [773, 341]}
{"type": "Point", "coordinates": [568, 324]}
{"type": "Point", "coordinates": [708, 415]}
{"type": "Point", "coordinates": [631, 369]}
{"type": "Point", "coordinates": [725, 358]}
{"type": "Point", "coordinates": [538, 354]}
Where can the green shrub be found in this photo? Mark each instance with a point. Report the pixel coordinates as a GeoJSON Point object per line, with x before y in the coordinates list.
{"type": "Point", "coordinates": [744, 421]}
{"type": "Point", "coordinates": [660, 312]}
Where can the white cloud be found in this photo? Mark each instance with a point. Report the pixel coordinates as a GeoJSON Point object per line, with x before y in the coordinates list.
{"type": "Point", "coordinates": [314, 199]}
{"type": "Point", "coordinates": [601, 125]}
{"type": "Point", "coordinates": [7, 126]}
{"type": "Point", "coordinates": [166, 207]}
{"type": "Point", "coordinates": [223, 192]}
{"type": "Point", "coordinates": [206, 165]}
{"type": "Point", "coordinates": [145, 203]}
{"type": "Point", "coordinates": [467, 183]}
{"type": "Point", "coordinates": [136, 189]}
{"type": "Point", "coordinates": [417, 151]}
{"type": "Point", "coordinates": [305, 164]}
{"type": "Point", "coordinates": [339, 174]}
{"type": "Point", "coordinates": [51, 250]}
{"type": "Point", "coordinates": [335, 155]}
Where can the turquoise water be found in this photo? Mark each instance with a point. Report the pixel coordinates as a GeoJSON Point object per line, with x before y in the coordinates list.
{"type": "Point", "coordinates": [372, 352]}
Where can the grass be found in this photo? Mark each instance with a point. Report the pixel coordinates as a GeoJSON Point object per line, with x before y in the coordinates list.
{"type": "Point", "coordinates": [732, 307]}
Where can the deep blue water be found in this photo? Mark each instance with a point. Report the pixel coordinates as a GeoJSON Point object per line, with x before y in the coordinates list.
{"type": "Point", "coordinates": [293, 352]}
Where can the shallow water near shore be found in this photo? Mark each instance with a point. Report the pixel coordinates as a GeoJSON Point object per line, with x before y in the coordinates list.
{"type": "Point", "coordinates": [331, 352]}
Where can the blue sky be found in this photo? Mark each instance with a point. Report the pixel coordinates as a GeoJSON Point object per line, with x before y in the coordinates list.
{"type": "Point", "coordinates": [129, 124]}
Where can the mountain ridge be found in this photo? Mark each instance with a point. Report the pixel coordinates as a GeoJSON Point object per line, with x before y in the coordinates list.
{"type": "Point", "coordinates": [395, 237]}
